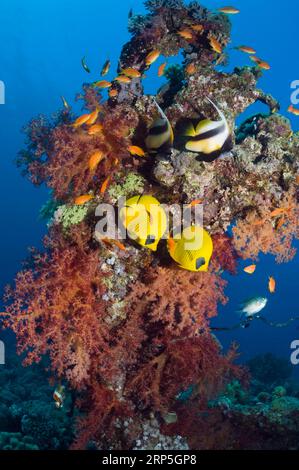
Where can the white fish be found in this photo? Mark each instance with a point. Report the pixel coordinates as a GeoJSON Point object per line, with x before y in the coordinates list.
{"type": "Point", "coordinates": [253, 306]}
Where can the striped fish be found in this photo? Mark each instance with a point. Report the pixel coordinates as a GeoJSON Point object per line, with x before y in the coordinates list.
{"type": "Point", "coordinates": [207, 136]}
{"type": "Point", "coordinates": [160, 135]}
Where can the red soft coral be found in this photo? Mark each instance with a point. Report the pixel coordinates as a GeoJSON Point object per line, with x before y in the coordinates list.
{"type": "Point", "coordinates": [180, 300]}
{"type": "Point", "coordinates": [59, 154]}
{"type": "Point", "coordinates": [57, 308]}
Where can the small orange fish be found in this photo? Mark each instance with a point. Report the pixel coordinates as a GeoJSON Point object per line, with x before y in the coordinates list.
{"type": "Point", "coordinates": [131, 72]}
{"type": "Point", "coordinates": [229, 10]}
{"type": "Point", "coordinates": [246, 49]}
{"type": "Point", "coordinates": [123, 79]}
{"type": "Point", "coordinates": [216, 46]}
{"type": "Point", "coordinates": [95, 159]}
{"type": "Point", "coordinates": [297, 179]}
{"type": "Point", "coordinates": [198, 28]}
{"type": "Point", "coordinates": [152, 57]}
{"type": "Point", "coordinates": [278, 211]}
{"type": "Point", "coordinates": [261, 63]}
{"type": "Point", "coordinates": [293, 110]}
{"type": "Point", "coordinates": [59, 396]}
{"type": "Point", "coordinates": [113, 93]}
{"type": "Point", "coordinates": [110, 241]}
{"type": "Point", "coordinates": [81, 120]}
{"type": "Point", "coordinates": [185, 34]}
{"type": "Point", "coordinates": [171, 244]}
{"type": "Point", "coordinates": [103, 84]}
{"type": "Point", "coordinates": [190, 69]}
{"type": "Point", "coordinates": [195, 202]}
{"type": "Point", "coordinates": [250, 269]}
{"type": "Point", "coordinates": [272, 285]}
{"type": "Point", "coordinates": [264, 65]}
{"type": "Point", "coordinates": [255, 59]}
{"type": "Point", "coordinates": [119, 245]}
{"type": "Point", "coordinates": [79, 201]}
{"type": "Point", "coordinates": [95, 129]}
{"type": "Point", "coordinates": [161, 69]}
{"type": "Point", "coordinates": [106, 68]}
{"type": "Point", "coordinates": [93, 117]}
{"type": "Point", "coordinates": [280, 223]}
{"type": "Point", "coordinates": [135, 150]}
{"type": "Point", "coordinates": [104, 185]}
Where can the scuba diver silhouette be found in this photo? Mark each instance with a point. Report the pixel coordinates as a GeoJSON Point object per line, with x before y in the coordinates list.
{"type": "Point", "coordinates": [247, 322]}
{"type": "Point", "coordinates": [251, 311]}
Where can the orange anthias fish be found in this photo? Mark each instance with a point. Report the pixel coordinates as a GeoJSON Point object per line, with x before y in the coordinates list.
{"type": "Point", "coordinates": [113, 93]}
{"type": "Point", "coordinates": [59, 396]}
{"type": "Point", "coordinates": [103, 84]}
{"type": "Point", "coordinates": [272, 285]}
{"type": "Point", "coordinates": [80, 200]}
{"type": "Point", "coordinates": [123, 79]}
{"type": "Point", "coordinates": [293, 110]}
{"type": "Point", "coordinates": [93, 117]}
{"type": "Point", "coordinates": [81, 120]}
{"type": "Point", "coordinates": [95, 159]}
{"type": "Point", "coordinates": [264, 65]}
{"type": "Point", "coordinates": [280, 223]}
{"type": "Point", "coordinates": [261, 63]}
{"type": "Point", "coordinates": [105, 185]}
{"type": "Point", "coordinates": [246, 49]}
{"type": "Point", "coordinates": [161, 69]}
{"type": "Point", "coordinates": [95, 129]}
{"type": "Point", "coordinates": [110, 241]}
{"type": "Point", "coordinates": [186, 34]}
{"type": "Point", "coordinates": [216, 46]}
{"type": "Point", "coordinates": [171, 244]}
{"type": "Point", "coordinates": [250, 269]}
{"type": "Point", "coordinates": [229, 10]}
{"type": "Point", "coordinates": [190, 69]}
{"type": "Point", "coordinates": [152, 57]}
{"type": "Point", "coordinates": [106, 68]}
{"type": "Point", "coordinates": [135, 150]}
{"type": "Point", "coordinates": [195, 202]}
{"type": "Point", "coordinates": [131, 72]}
{"type": "Point", "coordinates": [255, 59]}
{"type": "Point", "coordinates": [279, 211]}
{"type": "Point", "coordinates": [198, 28]}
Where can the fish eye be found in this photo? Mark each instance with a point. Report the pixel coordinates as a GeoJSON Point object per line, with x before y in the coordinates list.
{"type": "Point", "coordinates": [150, 239]}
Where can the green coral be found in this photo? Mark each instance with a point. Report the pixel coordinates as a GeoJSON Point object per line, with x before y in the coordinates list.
{"type": "Point", "coordinates": [132, 184]}
{"type": "Point", "coordinates": [70, 215]}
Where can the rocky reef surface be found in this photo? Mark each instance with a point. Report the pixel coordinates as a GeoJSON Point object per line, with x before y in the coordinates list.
{"type": "Point", "coordinates": [124, 326]}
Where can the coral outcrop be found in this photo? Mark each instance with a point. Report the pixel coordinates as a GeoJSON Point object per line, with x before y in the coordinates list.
{"type": "Point", "coordinates": [126, 328]}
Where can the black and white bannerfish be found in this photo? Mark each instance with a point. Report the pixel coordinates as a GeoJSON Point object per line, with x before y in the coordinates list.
{"type": "Point", "coordinates": [207, 136]}
{"type": "Point", "coordinates": [160, 134]}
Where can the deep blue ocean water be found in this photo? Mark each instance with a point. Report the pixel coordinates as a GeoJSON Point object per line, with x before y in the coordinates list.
{"type": "Point", "coordinates": [41, 45]}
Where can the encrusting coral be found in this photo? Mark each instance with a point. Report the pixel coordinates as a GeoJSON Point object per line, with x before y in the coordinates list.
{"type": "Point", "coordinates": [124, 326]}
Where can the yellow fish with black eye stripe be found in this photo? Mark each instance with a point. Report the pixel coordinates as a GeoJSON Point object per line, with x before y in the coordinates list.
{"type": "Point", "coordinates": [145, 220]}
{"type": "Point", "coordinates": [160, 134]}
{"type": "Point", "coordinates": [192, 249]}
{"type": "Point", "coordinates": [207, 136]}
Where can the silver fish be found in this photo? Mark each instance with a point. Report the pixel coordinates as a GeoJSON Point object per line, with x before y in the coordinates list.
{"type": "Point", "coordinates": [253, 306]}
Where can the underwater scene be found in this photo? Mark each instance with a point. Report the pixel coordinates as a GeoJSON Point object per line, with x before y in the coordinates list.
{"type": "Point", "coordinates": [149, 186]}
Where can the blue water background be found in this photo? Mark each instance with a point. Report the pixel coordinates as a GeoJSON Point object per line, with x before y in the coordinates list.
{"type": "Point", "coordinates": [41, 45]}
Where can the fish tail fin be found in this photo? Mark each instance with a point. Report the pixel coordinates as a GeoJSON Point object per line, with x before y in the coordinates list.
{"type": "Point", "coordinates": [221, 114]}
